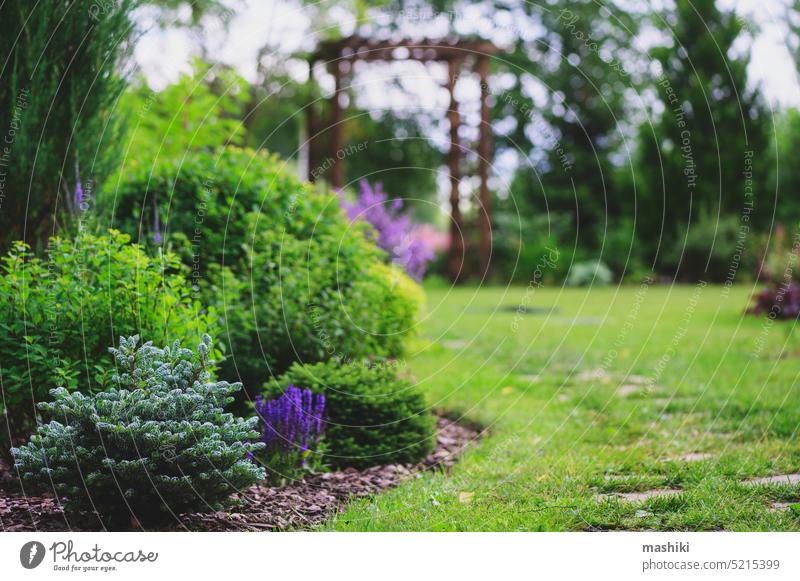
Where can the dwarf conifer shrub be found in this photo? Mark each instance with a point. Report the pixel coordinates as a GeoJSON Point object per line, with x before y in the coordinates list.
{"type": "Point", "coordinates": [157, 444]}
{"type": "Point", "coordinates": [372, 416]}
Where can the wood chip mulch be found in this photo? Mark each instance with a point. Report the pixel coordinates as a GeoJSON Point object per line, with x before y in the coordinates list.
{"type": "Point", "coordinates": [301, 505]}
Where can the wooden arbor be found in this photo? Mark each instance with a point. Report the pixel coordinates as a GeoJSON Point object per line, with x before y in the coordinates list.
{"type": "Point", "coordinates": [341, 54]}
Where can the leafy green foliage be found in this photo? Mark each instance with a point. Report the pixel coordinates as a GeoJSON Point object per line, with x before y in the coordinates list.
{"type": "Point", "coordinates": [58, 88]}
{"type": "Point", "coordinates": [211, 204]}
{"type": "Point", "coordinates": [711, 249]}
{"type": "Point", "coordinates": [156, 444]}
{"type": "Point", "coordinates": [690, 163]}
{"type": "Point", "coordinates": [199, 112]}
{"type": "Point", "coordinates": [373, 417]}
{"type": "Point", "coordinates": [784, 178]}
{"type": "Point", "coordinates": [589, 273]}
{"type": "Point", "coordinates": [577, 60]}
{"type": "Point", "coordinates": [312, 300]}
{"type": "Point", "coordinates": [291, 278]}
{"type": "Point", "coordinates": [59, 313]}
{"type": "Point", "coordinates": [398, 155]}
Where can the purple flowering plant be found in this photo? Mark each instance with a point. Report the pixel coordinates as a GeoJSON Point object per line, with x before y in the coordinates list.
{"type": "Point", "coordinates": [291, 428]}
{"type": "Point", "coordinates": [394, 231]}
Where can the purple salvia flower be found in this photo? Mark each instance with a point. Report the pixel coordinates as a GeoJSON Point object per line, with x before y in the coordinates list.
{"type": "Point", "coordinates": [319, 407]}
{"type": "Point", "coordinates": [156, 225]}
{"type": "Point", "coordinates": [291, 421]}
{"type": "Point", "coordinates": [78, 194]}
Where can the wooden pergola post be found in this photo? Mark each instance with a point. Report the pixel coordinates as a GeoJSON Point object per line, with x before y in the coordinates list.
{"type": "Point", "coordinates": [337, 171]}
{"type": "Point", "coordinates": [454, 53]}
{"type": "Point", "coordinates": [484, 157]}
{"type": "Point", "coordinates": [455, 259]}
{"type": "Point", "coordinates": [311, 131]}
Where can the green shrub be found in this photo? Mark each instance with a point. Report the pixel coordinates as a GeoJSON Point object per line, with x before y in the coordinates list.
{"type": "Point", "coordinates": [205, 199]}
{"type": "Point", "coordinates": [711, 249]}
{"type": "Point", "coordinates": [589, 273]}
{"type": "Point", "coordinates": [525, 246]}
{"type": "Point", "coordinates": [60, 83]}
{"type": "Point", "coordinates": [291, 278]}
{"type": "Point", "coordinates": [201, 110]}
{"type": "Point", "coordinates": [59, 314]}
{"type": "Point", "coordinates": [372, 416]}
{"type": "Point", "coordinates": [157, 444]}
{"type": "Point", "coordinates": [312, 300]}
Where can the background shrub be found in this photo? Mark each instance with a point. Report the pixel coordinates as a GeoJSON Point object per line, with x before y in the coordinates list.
{"type": "Point", "coordinates": [710, 249]}
{"type": "Point", "coordinates": [59, 314]}
{"type": "Point", "coordinates": [372, 417]}
{"type": "Point", "coordinates": [777, 301]}
{"type": "Point", "coordinates": [156, 444]}
{"type": "Point", "coordinates": [589, 273]}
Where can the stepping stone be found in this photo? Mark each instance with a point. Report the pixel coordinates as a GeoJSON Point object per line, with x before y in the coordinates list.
{"type": "Point", "coordinates": [626, 390]}
{"type": "Point", "coordinates": [638, 379]}
{"type": "Point", "coordinates": [780, 506]}
{"type": "Point", "coordinates": [696, 457]}
{"type": "Point", "coordinates": [640, 496]}
{"type": "Point", "coordinates": [594, 375]}
{"type": "Point", "coordinates": [455, 344]}
{"type": "Point", "coordinates": [780, 479]}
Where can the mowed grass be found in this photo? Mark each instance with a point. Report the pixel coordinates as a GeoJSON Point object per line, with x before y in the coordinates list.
{"type": "Point", "coordinates": [594, 393]}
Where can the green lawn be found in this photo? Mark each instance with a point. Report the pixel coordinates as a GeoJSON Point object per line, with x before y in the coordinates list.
{"type": "Point", "coordinates": [562, 434]}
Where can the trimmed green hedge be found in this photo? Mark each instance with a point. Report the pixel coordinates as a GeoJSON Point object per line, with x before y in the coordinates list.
{"type": "Point", "coordinates": [210, 204]}
{"type": "Point", "coordinates": [291, 278]}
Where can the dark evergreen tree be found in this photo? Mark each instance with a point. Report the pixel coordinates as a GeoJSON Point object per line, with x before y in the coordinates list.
{"type": "Point", "coordinates": [581, 63]}
{"type": "Point", "coordinates": [59, 82]}
{"type": "Point", "coordinates": [691, 161]}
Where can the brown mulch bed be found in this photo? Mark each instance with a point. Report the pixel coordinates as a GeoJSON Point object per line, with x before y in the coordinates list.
{"type": "Point", "coordinates": [300, 505]}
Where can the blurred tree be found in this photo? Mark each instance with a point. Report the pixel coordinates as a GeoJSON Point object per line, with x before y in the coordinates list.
{"type": "Point", "coordinates": [569, 106]}
{"type": "Point", "coordinates": [691, 161]}
{"type": "Point", "coordinates": [784, 178]}
{"type": "Point", "coordinates": [398, 155]}
{"type": "Point", "coordinates": [200, 111]}
{"type": "Point", "coordinates": [190, 13]}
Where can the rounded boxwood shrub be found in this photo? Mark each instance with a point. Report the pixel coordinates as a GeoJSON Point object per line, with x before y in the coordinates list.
{"type": "Point", "coordinates": [59, 313]}
{"type": "Point", "coordinates": [204, 201]}
{"type": "Point", "coordinates": [155, 445]}
{"type": "Point", "coordinates": [372, 416]}
{"type": "Point", "coordinates": [313, 300]}
{"type": "Point", "coordinates": [290, 277]}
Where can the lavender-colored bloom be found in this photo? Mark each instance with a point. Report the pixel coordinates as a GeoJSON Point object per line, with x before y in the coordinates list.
{"type": "Point", "coordinates": [156, 225]}
{"type": "Point", "coordinates": [78, 194]}
{"type": "Point", "coordinates": [291, 422]}
{"type": "Point", "coordinates": [395, 233]}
